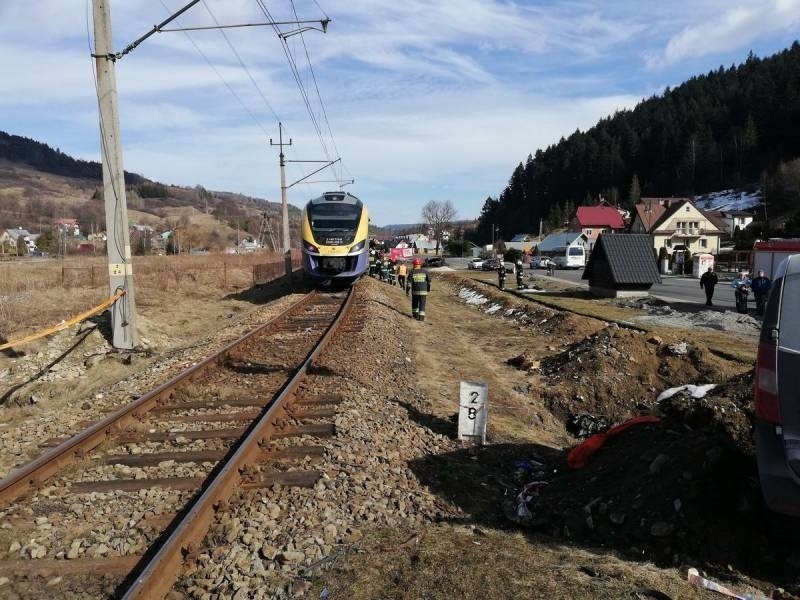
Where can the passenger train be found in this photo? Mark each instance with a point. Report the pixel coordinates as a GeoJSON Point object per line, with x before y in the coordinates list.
{"type": "Point", "coordinates": [335, 233]}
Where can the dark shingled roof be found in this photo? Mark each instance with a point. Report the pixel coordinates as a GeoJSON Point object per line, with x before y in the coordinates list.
{"type": "Point", "coordinates": [629, 256]}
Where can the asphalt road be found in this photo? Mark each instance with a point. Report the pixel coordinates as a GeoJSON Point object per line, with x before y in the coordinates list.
{"type": "Point", "coordinates": [671, 289]}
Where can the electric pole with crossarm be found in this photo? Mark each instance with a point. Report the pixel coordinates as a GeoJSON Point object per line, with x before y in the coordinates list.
{"type": "Point", "coordinates": [120, 267]}
{"type": "Point", "coordinates": [287, 251]}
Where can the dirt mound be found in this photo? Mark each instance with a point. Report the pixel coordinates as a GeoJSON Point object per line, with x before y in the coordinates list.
{"type": "Point", "coordinates": [728, 408]}
{"type": "Point", "coordinates": [617, 373]}
{"type": "Point", "coordinates": [668, 493]}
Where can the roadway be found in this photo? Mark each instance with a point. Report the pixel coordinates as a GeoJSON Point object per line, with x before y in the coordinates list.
{"type": "Point", "coordinates": [671, 289]}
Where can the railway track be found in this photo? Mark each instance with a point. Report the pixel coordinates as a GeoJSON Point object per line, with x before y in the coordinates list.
{"type": "Point", "coordinates": [122, 508]}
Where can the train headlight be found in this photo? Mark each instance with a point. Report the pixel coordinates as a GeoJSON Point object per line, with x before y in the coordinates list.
{"type": "Point", "coordinates": [359, 246]}
{"type": "Point", "coordinates": [310, 247]}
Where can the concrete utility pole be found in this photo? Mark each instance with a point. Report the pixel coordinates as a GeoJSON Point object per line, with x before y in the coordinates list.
{"type": "Point", "coordinates": [120, 268]}
{"type": "Point", "coordinates": [287, 251]}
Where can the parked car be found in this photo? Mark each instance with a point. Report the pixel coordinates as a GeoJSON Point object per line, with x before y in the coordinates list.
{"type": "Point", "coordinates": [475, 263]}
{"type": "Point", "coordinates": [491, 264]}
{"type": "Point", "coordinates": [434, 261]}
{"type": "Point", "coordinates": [777, 391]}
{"type": "Point", "coordinates": [541, 262]}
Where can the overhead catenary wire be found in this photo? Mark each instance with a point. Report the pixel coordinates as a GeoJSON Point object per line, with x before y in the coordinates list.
{"type": "Point", "coordinates": [316, 88]}
{"type": "Point", "coordinates": [230, 88]}
{"type": "Point", "coordinates": [245, 68]}
{"type": "Point", "coordinates": [241, 62]}
{"type": "Point", "coordinates": [221, 78]}
{"type": "Point", "coordinates": [298, 80]}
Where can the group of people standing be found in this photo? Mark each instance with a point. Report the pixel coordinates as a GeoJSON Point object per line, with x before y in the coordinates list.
{"type": "Point", "coordinates": [416, 281]}
{"type": "Point", "coordinates": [501, 275]}
{"type": "Point", "coordinates": [742, 285]}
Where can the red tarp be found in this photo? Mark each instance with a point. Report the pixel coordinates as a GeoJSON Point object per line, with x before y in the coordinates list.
{"type": "Point", "coordinates": [579, 456]}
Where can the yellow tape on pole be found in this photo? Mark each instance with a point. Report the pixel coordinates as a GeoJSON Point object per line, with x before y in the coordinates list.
{"type": "Point", "coordinates": [77, 319]}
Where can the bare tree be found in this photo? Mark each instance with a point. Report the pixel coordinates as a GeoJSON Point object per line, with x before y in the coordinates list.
{"type": "Point", "coordinates": [438, 215]}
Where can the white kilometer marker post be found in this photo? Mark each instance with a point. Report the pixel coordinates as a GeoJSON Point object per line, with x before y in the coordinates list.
{"type": "Point", "coordinates": [472, 411]}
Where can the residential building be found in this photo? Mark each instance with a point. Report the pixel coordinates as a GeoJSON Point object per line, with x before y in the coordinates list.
{"type": "Point", "coordinates": [524, 242]}
{"type": "Point", "coordinates": [68, 227]}
{"type": "Point", "coordinates": [594, 220]}
{"type": "Point", "coordinates": [674, 223]}
{"type": "Point", "coordinates": [10, 237]}
{"type": "Point", "coordinates": [736, 218]}
{"type": "Point", "coordinates": [558, 240]}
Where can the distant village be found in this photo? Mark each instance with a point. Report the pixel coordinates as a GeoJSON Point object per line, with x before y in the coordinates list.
{"type": "Point", "coordinates": [678, 227]}
{"type": "Point", "coordinates": [674, 224]}
{"type": "Point", "coordinates": [69, 237]}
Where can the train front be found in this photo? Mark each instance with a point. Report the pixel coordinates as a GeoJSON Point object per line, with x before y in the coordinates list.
{"type": "Point", "coordinates": [335, 230]}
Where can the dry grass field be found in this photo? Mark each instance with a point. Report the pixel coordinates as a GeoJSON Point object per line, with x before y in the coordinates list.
{"type": "Point", "coordinates": [38, 294]}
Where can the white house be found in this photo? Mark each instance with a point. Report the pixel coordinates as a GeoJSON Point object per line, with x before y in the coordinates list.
{"type": "Point", "coordinates": [736, 218]}
{"type": "Point", "coordinates": [676, 222]}
{"type": "Point", "coordinates": [10, 237]}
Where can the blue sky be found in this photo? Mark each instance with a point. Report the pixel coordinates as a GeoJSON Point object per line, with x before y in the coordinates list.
{"type": "Point", "coordinates": [427, 99]}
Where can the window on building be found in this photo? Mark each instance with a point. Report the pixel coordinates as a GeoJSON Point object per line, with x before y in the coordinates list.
{"type": "Point", "coordinates": [669, 243]}
{"type": "Point", "coordinates": [688, 208]}
{"type": "Point", "coordinates": [704, 243]}
{"type": "Point", "coordinates": [588, 232]}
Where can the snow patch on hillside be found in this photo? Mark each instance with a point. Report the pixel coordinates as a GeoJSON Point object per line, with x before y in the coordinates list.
{"type": "Point", "coordinates": [729, 200]}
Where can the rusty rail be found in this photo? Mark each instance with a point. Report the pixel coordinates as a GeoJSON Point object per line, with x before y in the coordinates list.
{"type": "Point", "coordinates": [33, 474]}
{"type": "Point", "coordinates": [162, 569]}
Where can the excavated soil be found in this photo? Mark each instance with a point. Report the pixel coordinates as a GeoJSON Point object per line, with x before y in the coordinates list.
{"type": "Point", "coordinates": [618, 373]}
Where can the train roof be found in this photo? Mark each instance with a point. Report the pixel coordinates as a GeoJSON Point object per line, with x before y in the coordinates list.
{"type": "Point", "coordinates": [338, 197]}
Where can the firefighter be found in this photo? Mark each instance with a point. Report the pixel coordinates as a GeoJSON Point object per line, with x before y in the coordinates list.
{"type": "Point", "coordinates": [520, 285]}
{"type": "Point", "coordinates": [372, 263]}
{"type": "Point", "coordinates": [420, 286]}
{"type": "Point", "coordinates": [501, 276]}
{"type": "Point", "coordinates": [384, 267]}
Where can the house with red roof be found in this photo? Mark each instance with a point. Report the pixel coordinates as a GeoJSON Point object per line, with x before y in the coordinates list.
{"type": "Point", "coordinates": [594, 220]}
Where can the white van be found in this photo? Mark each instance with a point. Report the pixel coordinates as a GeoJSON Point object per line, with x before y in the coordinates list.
{"type": "Point", "coordinates": [569, 257]}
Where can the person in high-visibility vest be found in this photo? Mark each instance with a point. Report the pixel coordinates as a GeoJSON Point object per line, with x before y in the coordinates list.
{"type": "Point", "coordinates": [420, 286]}
{"type": "Point", "coordinates": [402, 271]}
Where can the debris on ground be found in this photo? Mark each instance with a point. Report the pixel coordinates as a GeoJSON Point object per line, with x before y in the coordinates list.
{"type": "Point", "coordinates": [696, 580]}
{"type": "Point", "coordinates": [661, 313]}
{"type": "Point", "coordinates": [584, 425]}
{"type": "Point", "coordinates": [579, 456]}
{"type": "Point", "coordinates": [523, 362]}
{"type": "Point", "coordinates": [694, 391]}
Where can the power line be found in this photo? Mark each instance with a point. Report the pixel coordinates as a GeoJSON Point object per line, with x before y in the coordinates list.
{"type": "Point", "coordinates": [316, 86]}
{"type": "Point", "coordinates": [227, 85]}
{"type": "Point", "coordinates": [241, 62]}
{"type": "Point", "coordinates": [298, 80]}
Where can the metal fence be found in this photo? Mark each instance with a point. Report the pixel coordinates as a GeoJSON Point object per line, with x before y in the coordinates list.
{"type": "Point", "coordinates": [270, 271]}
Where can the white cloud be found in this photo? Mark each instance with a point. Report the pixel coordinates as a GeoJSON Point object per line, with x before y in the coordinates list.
{"type": "Point", "coordinates": [733, 29]}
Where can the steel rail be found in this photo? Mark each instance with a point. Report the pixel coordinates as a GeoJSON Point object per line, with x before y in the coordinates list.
{"type": "Point", "coordinates": [34, 473]}
{"type": "Point", "coordinates": [164, 567]}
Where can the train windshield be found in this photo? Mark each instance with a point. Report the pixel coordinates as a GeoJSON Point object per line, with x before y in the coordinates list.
{"type": "Point", "coordinates": [334, 223]}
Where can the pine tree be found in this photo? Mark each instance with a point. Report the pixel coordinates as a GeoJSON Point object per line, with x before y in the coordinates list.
{"type": "Point", "coordinates": [635, 192]}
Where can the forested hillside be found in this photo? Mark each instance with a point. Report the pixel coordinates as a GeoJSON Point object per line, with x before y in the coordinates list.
{"type": "Point", "coordinates": [716, 131]}
{"type": "Point", "coordinates": [42, 157]}
{"type": "Point", "coordinates": [39, 184]}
